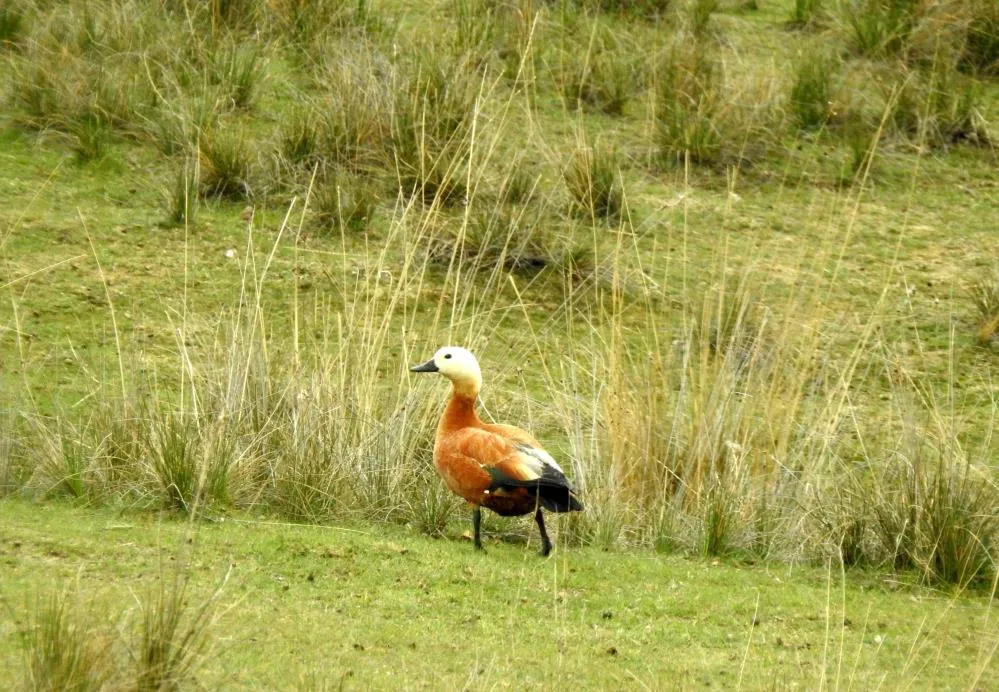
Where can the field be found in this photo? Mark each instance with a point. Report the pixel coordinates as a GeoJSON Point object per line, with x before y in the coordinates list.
{"type": "Point", "coordinates": [378, 606]}
{"type": "Point", "coordinates": [733, 262]}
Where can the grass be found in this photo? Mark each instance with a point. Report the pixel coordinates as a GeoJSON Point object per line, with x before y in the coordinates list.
{"type": "Point", "coordinates": [743, 295]}
{"type": "Point", "coordinates": [60, 654]}
{"type": "Point", "coordinates": [356, 604]}
{"type": "Point", "coordinates": [811, 93]}
{"type": "Point", "coordinates": [985, 294]}
{"type": "Point", "coordinates": [805, 13]}
{"type": "Point", "coordinates": [173, 637]}
{"type": "Point", "coordinates": [156, 643]}
{"type": "Point", "coordinates": [225, 165]}
{"type": "Point", "coordinates": [345, 203]}
{"type": "Point", "coordinates": [591, 178]}
{"type": "Point", "coordinates": [182, 199]}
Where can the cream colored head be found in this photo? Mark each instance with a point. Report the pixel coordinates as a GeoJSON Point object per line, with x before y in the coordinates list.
{"type": "Point", "coordinates": [458, 365]}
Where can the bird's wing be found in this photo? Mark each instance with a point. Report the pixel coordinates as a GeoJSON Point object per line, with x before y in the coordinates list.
{"type": "Point", "coordinates": [512, 462]}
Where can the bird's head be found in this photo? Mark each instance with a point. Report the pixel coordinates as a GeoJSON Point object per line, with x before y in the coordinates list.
{"type": "Point", "coordinates": [458, 365]}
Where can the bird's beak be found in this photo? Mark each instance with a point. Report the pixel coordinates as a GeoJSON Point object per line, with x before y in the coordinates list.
{"type": "Point", "coordinates": [429, 366]}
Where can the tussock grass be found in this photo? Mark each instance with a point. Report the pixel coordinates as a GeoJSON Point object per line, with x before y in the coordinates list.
{"type": "Point", "coordinates": [880, 28]}
{"type": "Point", "coordinates": [597, 68]}
{"type": "Point", "coordinates": [644, 9]}
{"type": "Point", "coordinates": [299, 140]}
{"type": "Point", "coordinates": [68, 647]}
{"type": "Point", "coordinates": [173, 634]}
{"type": "Point", "coordinates": [916, 509]}
{"type": "Point", "coordinates": [705, 117]}
{"type": "Point", "coordinates": [182, 198]}
{"type": "Point", "coordinates": [812, 91]}
{"type": "Point", "coordinates": [237, 71]}
{"type": "Point", "coordinates": [696, 16]}
{"type": "Point", "coordinates": [61, 650]}
{"type": "Point", "coordinates": [13, 25]}
{"type": "Point", "coordinates": [806, 14]}
{"type": "Point", "coordinates": [434, 109]}
{"type": "Point", "coordinates": [60, 466]}
{"type": "Point", "coordinates": [962, 33]}
{"type": "Point", "coordinates": [179, 128]}
{"type": "Point", "coordinates": [593, 179]}
{"type": "Point", "coordinates": [224, 165]}
{"type": "Point", "coordinates": [705, 397]}
{"type": "Point", "coordinates": [509, 239]}
{"type": "Point", "coordinates": [77, 96]}
{"type": "Point", "coordinates": [981, 42]}
{"type": "Point", "coordinates": [707, 466]}
{"type": "Point", "coordinates": [345, 203]}
{"type": "Point", "coordinates": [688, 107]}
{"type": "Point", "coordinates": [354, 116]}
{"type": "Point", "coordinates": [10, 470]}
{"type": "Point", "coordinates": [984, 293]}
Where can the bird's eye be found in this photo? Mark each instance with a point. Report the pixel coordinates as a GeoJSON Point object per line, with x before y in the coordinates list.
{"type": "Point", "coordinates": [446, 356]}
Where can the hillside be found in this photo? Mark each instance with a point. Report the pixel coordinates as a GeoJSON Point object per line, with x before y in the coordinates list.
{"type": "Point", "coordinates": [266, 604]}
{"type": "Point", "coordinates": [733, 261]}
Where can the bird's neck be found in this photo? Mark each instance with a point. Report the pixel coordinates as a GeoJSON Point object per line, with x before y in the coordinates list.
{"type": "Point", "coordinates": [460, 412]}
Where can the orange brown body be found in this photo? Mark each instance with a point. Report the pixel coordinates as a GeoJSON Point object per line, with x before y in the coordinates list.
{"type": "Point", "coordinates": [499, 467]}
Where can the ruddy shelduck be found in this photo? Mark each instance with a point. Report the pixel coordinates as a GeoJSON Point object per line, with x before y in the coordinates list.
{"type": "Point", "coordinates": [500, 467]}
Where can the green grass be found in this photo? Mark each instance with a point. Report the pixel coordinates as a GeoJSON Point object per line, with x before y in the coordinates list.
{"type": "Point", "coordinates": [383, 607]}
{"type": "Point", "coordinates": [744, 294]}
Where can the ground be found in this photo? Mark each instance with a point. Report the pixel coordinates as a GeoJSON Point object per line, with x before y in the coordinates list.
{"type": "Point", "coordinates": [768, 363]}
{"type": "Point", "coordinates": [384, 607]}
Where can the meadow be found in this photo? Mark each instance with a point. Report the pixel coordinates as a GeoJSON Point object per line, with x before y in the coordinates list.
{"type": "Point", "coordinates": [733, 261]}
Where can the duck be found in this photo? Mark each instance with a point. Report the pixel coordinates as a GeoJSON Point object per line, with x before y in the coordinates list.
{"type": "Point", "coordinates": [496, 466]}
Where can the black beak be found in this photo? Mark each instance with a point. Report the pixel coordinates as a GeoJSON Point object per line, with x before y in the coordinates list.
{"type": "Point", "coordinates": [429, 366]}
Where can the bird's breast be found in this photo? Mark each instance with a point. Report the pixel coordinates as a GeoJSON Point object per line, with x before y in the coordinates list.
{"type": "Point", "coordinates": [463, 475]}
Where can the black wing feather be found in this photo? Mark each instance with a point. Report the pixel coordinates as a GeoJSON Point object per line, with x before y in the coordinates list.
{"type": "Point", "coordinates": [552, 488]}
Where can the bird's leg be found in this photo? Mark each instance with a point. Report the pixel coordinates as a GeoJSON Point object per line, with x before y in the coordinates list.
{"type": "Point", "coordinates": [477, 526]}
{"type": "Point", "coordinates": [546, 544]}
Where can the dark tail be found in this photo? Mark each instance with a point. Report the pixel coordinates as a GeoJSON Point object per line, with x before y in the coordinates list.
{"type": "Point", "coordinates": [559, 499]}
{"type": "Point", "coordinates": [554, 492]}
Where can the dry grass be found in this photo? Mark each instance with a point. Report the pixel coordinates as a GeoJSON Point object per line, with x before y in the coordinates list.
{"type": "Point", "coordinates": [707, 412]}
{"type": "Point", "coordinates": [68, 645]}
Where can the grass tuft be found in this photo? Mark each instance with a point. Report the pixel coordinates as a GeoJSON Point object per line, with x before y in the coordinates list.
{"type": "Point", "coordinates": [811, 93]}
{"type": "Point", "coordinates": [224, 165]}
{"type": "Point", "coordinates": [641, 9]}
{"type": "Point", "coordinates": [299, 138]}
{"type": "Point", "coordinates": [984, 293]}
{"type": "Point", "coordinates": [934, 515]}
{"type": "Point", "coordinates": [62, 650]}
{"type": "Point", "coordinates": [173, 637]}
{"type": "Point", "coordinates": [90, 139]}
{"type": "Point", "coordinates": [434, 108]}
{"type": "Point", "coordinates": [238, 71]}
{"type": "Point", "coordinates": [433, 506]}
{"type": "Point", "coordinates": [688, 109]}
{"type": "Point", "coordinates": [880, 28]}
{"type": "Point", "coordinates": [345, 203]}
{"type": "Point", "coordinates": [14, 28]}
{"type": "Point", "coordinates": [719, 519]}
{"type": "Point", "coordinates": [805, 14]}
{"type": "Point", "coordinates": [938, 108]}
{"type": "Point", "coordinates": [698, 16]}
{"type": "Point", "coordinates": [980, 54]}
{"type": "Point", "coordinates": [182, 200]}
{"type": "Point", "coordinates": [593, 180]}
{"type": "Point", "coordinates": [597, 69]}
{"type": "Point", "coordinates": [175, 463]}
{"type": "Point", "coordinates": [962, 529]}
